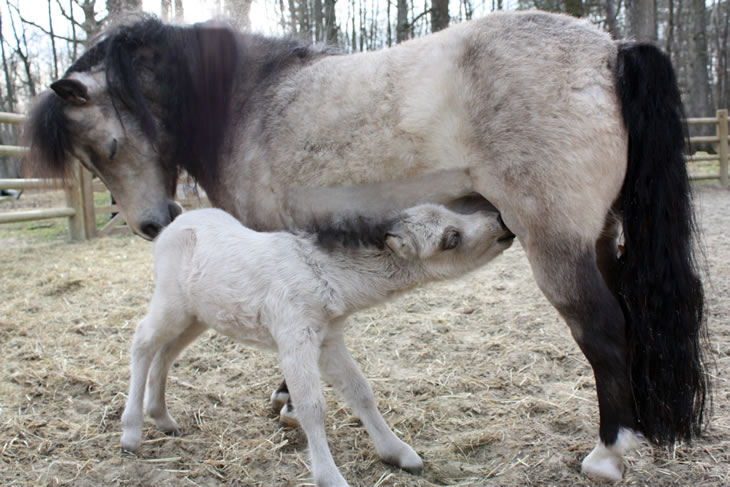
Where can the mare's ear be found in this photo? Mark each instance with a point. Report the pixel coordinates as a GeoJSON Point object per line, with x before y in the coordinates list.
{"type": "Point", "coordinates": [71, 90]}
{"type": "Point", "coordinates": [400, 243]}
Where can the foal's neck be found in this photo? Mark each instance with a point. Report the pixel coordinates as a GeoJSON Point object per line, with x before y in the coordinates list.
{"type": "Point", "coordinates": [358, 278]}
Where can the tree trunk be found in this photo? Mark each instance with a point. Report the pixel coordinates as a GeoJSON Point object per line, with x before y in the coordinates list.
{"type": "Point", "coordinates": [165, 7]}
{"type": "Point", "coordinates": [179, 12]}
{"type": "Point", "coordinates": [699, 100]}
{"type": "Point", "coordinates": [53, 42]}
{"type": "Point", "coordinates": [402, 27]}
{"type": "Point", "coordinates": [439, 15]}
{"type": "Point", "coordinates": [610, 8]}
{"type": "Point", "coordinates": [118, 7]}
{"type": "Point", "coordinates": [574, 8]}
{"type": "Point", "coordinates": [641, 20]}
{"type": "Point", "coordinates": [318, 15]}
{"type": "Point", "coordinates": [330, 22]}
{"type": "Point", "coordinates": [237, 11]}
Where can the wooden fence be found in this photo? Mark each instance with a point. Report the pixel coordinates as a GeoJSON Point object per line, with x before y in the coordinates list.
{"type": "Point", "coordinates": [81, 210]}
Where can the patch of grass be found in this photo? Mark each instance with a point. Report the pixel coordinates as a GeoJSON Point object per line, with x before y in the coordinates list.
{"type": "Point", "coordinates": [52, 229]}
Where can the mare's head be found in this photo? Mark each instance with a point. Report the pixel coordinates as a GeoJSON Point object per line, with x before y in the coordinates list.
{"type": "Point", "coordinates": [446, 243]}
{"type": "Point", "coordinates": [124, 110]}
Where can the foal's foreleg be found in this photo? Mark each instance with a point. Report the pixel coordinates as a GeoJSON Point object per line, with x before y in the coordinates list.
{"type": "Point", "coordinates": [299, 356]}
{"type": "Point", "coordinates": [340, 370]}
{"type": "Point", "coordinates": [154, 399]}
{"type": "Point", "coordinates": [568, 274]}
{"type": "Point", "coordinates": [145, 345]}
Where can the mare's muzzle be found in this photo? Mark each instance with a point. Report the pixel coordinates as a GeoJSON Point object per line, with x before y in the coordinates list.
{"type": "Point", "coordinates": [153, 221]}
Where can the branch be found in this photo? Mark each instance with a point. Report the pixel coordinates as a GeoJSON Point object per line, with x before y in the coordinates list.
{"type": "Point", "coordinates": [68, 16]}
{"type": "Point", "coordinates": [417, 17]}
{"type": "Point", "coordinates": [45, 31]}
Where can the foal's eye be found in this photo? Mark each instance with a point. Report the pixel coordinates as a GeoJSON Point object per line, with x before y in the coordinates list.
{"type": "Point", "coordinates": [113, 149]}
{"type": "Point", "coordinates": [451, 239]}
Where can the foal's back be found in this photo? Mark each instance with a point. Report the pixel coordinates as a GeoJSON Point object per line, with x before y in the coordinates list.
{"type": "Point", "coordinates": [225, 275]}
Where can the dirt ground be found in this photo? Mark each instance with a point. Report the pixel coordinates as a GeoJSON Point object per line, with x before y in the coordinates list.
{"type": "Point", "coordinates": [480, 375]}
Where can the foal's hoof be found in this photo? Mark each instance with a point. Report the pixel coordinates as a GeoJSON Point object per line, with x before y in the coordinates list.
{"type": "Point", "coordinates": [406, 458]}
{"type": "Point", "coordinates": [130, 444]}
{"type": "Point", "coordinates": [172, 432]}
{"type": "Point", "coordinates": [287, 416]}
{"type": "Point", "coordinates": [279, 398]}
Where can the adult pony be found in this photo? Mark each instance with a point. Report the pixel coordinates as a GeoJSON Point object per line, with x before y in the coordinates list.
{"type": "Point", "coordinates": [572, 136]}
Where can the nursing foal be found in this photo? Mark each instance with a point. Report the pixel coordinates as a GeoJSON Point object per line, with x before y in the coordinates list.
{"type": "Point", "coordinates": [291, 293]}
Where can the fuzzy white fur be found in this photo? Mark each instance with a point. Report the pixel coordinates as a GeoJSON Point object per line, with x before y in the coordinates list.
{"type": "Point", "coordinates": [285, 292]}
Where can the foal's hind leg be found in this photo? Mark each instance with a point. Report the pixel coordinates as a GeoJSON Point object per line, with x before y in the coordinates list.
{"type": "Point", "coordinates": [154, 399]}
{"type": "Point", "coordinates": [340, 369]}
{"type": "Point", "coordinates": [159, 327]}
{"type": "Point", "coordinates": [568, 274]}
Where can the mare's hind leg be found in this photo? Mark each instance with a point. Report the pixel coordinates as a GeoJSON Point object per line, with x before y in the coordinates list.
{"type": "Point", "coordinates": [567, 272]}
{"type": "Point", "coordinates": [154, 399]}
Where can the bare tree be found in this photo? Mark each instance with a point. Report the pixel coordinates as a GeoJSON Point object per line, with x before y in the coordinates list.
{"type": "Point", "coordinates": [641, 20]}
{"type": "Point", "coordinates": [402, 27]}
{"type": "Point", "coordinates": [22, 52]}
{"type": "Point", "coordinates": [237, 11]}
{"type": "Point", "coordinates": [610, 10]}
{"type": "Point", "coordinates": [699, 95]}
{"type": "Point", "coordinates": [573, 7]}
{"type": "Point", "coordinates": [439, 15]}
{"type": "Point", "coordinates": [118, 7]}
{"type": "Point", "coordinates": [720, 27]}
{"type": "Point", "coordinates": [330, 22]}
{"type": "Point", "coordinates": [165, 8]}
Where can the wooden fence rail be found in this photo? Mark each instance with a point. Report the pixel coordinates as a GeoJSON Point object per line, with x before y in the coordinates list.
{"type": "Point", "coordinates": [79, 190]}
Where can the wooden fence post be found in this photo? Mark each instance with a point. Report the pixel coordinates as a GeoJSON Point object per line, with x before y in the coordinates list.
{"type": "Point", "coordinates": [74, 200]}
{"type": "Point", "coordinates": [722, 151]}
{"type": "Point", "coordinates": [88, 203]}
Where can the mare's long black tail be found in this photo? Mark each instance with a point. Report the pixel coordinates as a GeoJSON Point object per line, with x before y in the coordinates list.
{"type": "Point", "coordinates": [660, 287]}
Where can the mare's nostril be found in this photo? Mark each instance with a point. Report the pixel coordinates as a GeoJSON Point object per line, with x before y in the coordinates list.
{"type": "Point", "coordinates": [501, 222]}
{"type": "Point", "coordinates": [151, 230]}
{"type": "Point", "coordinates": [175, 210]}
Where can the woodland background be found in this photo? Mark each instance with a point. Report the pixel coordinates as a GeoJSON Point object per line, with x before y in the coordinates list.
{"type": "Point", "coordinates": [41, 38]}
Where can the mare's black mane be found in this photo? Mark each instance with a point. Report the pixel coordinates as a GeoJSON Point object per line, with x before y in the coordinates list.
{"type": "Point", "coordinates": [175, 80]}
{"type": "Point", "coordinates": [352, 231]}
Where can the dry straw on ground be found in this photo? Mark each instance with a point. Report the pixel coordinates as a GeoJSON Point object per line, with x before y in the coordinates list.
{"type": "Point", "coordinates": [480, 375]}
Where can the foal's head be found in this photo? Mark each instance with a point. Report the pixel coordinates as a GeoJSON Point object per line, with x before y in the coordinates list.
{"type": "Point", "coordinates": [446, 243]}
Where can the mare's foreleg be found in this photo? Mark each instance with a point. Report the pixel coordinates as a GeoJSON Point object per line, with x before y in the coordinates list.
{"type": "Point", "coordinates": [340, 370]}
{"type": "Point", "coordinates": [568, 274]}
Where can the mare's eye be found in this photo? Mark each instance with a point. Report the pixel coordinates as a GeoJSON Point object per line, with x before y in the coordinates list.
{"type": "Point", "coordinates": [451, 239]}
{"type": "Point", "coordinates": [113, 149]}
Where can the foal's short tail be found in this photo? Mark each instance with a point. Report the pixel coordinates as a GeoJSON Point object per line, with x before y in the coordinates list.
{"type": "Point", "coordinates": [660, 287]}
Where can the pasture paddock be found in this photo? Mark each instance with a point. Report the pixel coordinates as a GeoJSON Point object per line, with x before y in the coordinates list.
{"type": "Point", "coordinates": [480, 375]}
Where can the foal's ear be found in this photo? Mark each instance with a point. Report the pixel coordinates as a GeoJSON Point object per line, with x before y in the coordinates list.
{"type": "Point", "coordinates": [400, 243]}
{"type": "Point", "coordinates": [71, 90]}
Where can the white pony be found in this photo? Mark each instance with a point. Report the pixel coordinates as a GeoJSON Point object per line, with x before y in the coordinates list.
{"type": "Point", "coordinates": [291, 293]}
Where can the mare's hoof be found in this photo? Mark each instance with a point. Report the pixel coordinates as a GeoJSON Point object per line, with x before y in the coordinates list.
{"type": "Point", "coordinates": [603, 464]}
